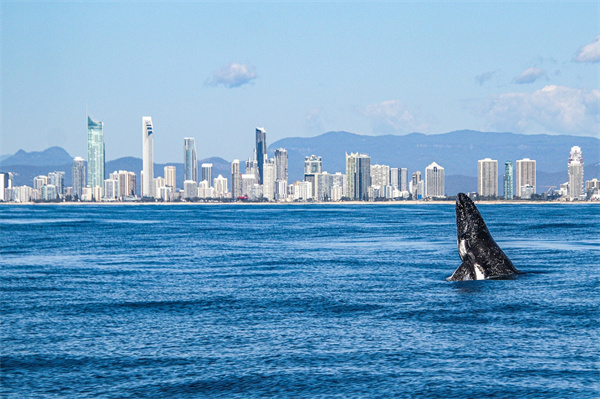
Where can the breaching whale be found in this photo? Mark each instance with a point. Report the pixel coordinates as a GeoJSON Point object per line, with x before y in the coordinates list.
{"type": "Point", "coordinates": [481, 257]}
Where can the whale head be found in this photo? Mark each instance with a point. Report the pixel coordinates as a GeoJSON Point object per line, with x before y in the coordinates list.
{"type": "Point", "coordinates": [469, 223]}
{"type": "Point", "coordinates": [481, 257]}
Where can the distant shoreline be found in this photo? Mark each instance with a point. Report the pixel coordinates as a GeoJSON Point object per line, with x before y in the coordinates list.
{"type": "Point", "coordinates": [366, 203]}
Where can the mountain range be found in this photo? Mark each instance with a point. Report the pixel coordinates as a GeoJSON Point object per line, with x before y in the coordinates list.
{"type": "Point", "coordinates": [457, 152]}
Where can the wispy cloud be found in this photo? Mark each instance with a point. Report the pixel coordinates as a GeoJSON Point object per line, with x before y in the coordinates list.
{"type": "Point", "coordinates": [553, 109]}
{"type": "Point", "coordinates": [589, 52]}
{"type": "Point", "coordinates": [232, 75]}
{"type": "Point", "coordinates": [393, 117]}
{"type": "Point", "coordinates": [530, 75]}
{"type": "Point", "coordinates": [484, 77]}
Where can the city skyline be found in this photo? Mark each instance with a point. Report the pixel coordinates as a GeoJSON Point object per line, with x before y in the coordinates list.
{"type": "Point", "coordinates": [298, 73]}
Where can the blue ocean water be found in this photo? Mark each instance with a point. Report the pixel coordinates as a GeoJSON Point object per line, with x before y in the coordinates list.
{"type": "Point", "coordinates": [238, 301]}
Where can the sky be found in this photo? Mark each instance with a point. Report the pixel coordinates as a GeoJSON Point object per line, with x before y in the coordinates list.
{"type": "Point", "coordinates": [214, 71]}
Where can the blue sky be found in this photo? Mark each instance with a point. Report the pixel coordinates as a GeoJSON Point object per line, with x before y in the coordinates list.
{"type": "Point", "coordinates": [215, 71]}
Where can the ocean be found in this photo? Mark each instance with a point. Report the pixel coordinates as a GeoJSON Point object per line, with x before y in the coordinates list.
{"type": "Point", "coordinates": [295, 301]}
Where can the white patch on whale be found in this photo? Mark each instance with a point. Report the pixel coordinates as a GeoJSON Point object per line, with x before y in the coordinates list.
{"type": "Point", "coordinates": [462, 248]}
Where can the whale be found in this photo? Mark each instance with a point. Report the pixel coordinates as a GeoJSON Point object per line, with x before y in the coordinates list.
{"type": "Point", "coordinates": [481, 257]}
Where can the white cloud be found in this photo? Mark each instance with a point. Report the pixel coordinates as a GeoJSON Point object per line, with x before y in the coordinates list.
{"type": "Point", "coordinates": [553, 109]}
{"type": "Point", "coordinates": [313, 121]}
{"type": "Point", "coordinates": [392, 117]}
{"type": "Point", "coordinates": [530, 75]}
{"type": "Point", "coordinates": [589, 52]}
{"type": "Point", "coordinates": [484, 77]}
{"type": "Point", "coordinates": [232, 75]}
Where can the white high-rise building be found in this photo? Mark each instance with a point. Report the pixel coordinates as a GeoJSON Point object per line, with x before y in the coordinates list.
{"type": "Point", "coordinates": [236, 179]}
{"type": "Point", "coordinates": [249, 180]}
{"type": "Point", "coordinates": [380, 178]}
{"type": "Point", "coordinates": [220, 186]}
{"type": "Point", "coordinates": [78, 176]}
{"type": "Point", "coordinates": [159, 182]}
{"type": "Point", "coordinates": [148, 157]}
{"type": "Point", "coordinates": [127, 183]}
{"type": "Point", "coordinates": [269, 174]}
{"type": "Point", "coordinates": [171, 177]}
{"type": "Point", "coordinates": [487, 180]}
{"type": "Point", "coordinates": [190, 189]}
{"type": "Point", "coordinates": [434, 181]}
{"type": "Point", "coordinates": [111, 189]}
{"type": "Point", "coordinates": [575, 166]}
{"type": "Point", "coordinates": [526, 172]}
{"type": "Point", "coordinates": [57, 179]}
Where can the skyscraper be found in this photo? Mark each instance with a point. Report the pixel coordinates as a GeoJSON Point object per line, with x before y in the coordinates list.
{"type": "Point", "coordinates": [207, 173]}
{"type": "Point", "coordinates": [575, 166]}
{"type": "Point", "coordinates": [236, 179]}
{"type": "Point", "coordinates": [95, 166]}
{"type": "Point", "coordinates": [148, 157]}
{"type": "Point", "coordinates": [269, 179]}
{"type": "Point", "coordinates": [526, 172]}
{"type": "Point", "coordinates": [171, 176]}
{"type": "Point", "coordinates": [57, 179]}
{"type": "Point", "coordinates": [487, 178]}
{"type": "Point", "coordinates": [313, 165]}
{"type": "Point", "coordinates": [261, 151]}
{"type": "Point", "coordinates": [190, 163]}
{"type": "Point", "coordinates": [403, 179]}
{"type": "Point", "coordinates": [508, 180]}
{"type": "Point", "coordinates": [415, 183]}
{"type": "Point", "coordinates": [281, 165]}
{"type": "Point", "coordinates": [78, 176]}
{"type": "Point", "coordinates": [434, 181]}
{"type": "Point", "coordinates": [358, 172]}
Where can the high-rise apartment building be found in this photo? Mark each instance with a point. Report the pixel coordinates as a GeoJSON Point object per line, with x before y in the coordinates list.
{"type": "Point", "coordinates": [171, 176]}
{"type": "Point", "coordinates": [281, 165]}
{"type": "Point", "coordinates": [403, 179]}
{"type": "Point", "coordinates": [190, 163]}
{"type": "Point", "coordinates": [207, 173]}
{"type": "Point", "coordinates": [380, 175]}
{"type": "Point", "coordinates": [487, 178]}
{"type": "Point", "coordinates": [261, 151]}
{"type": "Point", "coordinates": [57, 179]}
{"type": "Point", "coordinates": [575, 166]}
{"type": "Point", "coordinates": [127, 183]}
{"type": "Point", "coordinates": [252, 167]}
{"type": "Point", "coordinates": [508, 181]}
{"type": "Point", "coordinates": [190, 189]}
{"type": "Point", "coordinates": [435, 183]}
{"type": "Point", "coordinates": [313, 165]}
{"type": "Point", "coordinates": [395, 177]}
{"type": "Point", "coordinates": [95, 167]}
{"type": "Point", "coordinates": [236, 179]}
{"type": "Point", "coordinates": [78, 176]}
{"type": "Point", "coordinates": [358, 172]}
{"type": "Point", "coordinates": [5, 185]}
{"type": "Point", "coordinates": [525, 176]}
{"type": "Point", "coordinates": [220, 186]}
{"type": "Point", "coordinates": [414, 186]}
{"type": "Point", "coordinates": [269, 174]}
{"type": "Point", "coordinates": [148, 157]}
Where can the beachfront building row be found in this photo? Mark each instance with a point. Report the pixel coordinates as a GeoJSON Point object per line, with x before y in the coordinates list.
{"type": "Point", "coordinates": [525, 185]}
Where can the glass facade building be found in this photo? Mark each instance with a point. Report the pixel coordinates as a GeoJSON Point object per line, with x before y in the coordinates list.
{"type": "Point", "coordinates": [189, 159]}
{"type": "Point", "coordinates": [95, 167]}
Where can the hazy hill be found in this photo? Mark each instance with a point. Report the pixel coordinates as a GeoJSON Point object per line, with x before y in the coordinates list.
{"type": "Point", "coordinates": [50, 156]}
